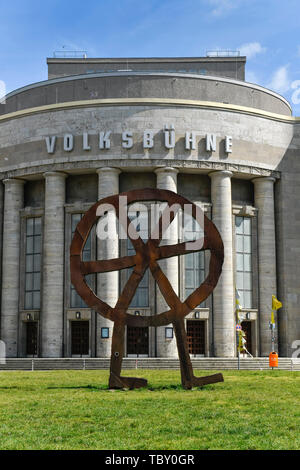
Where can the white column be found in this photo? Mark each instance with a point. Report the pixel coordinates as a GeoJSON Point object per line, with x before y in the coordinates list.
{"type": "Point", "coordinates": [223, 295]}
{"type": "Point", "coordinates": [13, 202]}
{"type": "Point", "coordinates": [167, 179]}
{"type": "Point", "coordinates": [264, 202]}
{"type": "Point", "coordinates": [107, 283]}
{"type": "Point", "coordinates": [53, 265]}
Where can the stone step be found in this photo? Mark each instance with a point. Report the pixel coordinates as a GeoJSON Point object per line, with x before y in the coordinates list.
{"type": "Point", "coordinates": [144, 363]}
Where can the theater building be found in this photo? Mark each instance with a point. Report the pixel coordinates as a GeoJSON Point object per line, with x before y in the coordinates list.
{"type": "Point", "coordinates": [98, 127]}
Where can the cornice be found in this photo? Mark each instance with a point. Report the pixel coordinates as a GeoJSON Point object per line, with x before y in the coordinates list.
{"type": "Point", "coordinates": [182, 166]}
{"type": "Point", "coordinates": [165, 102]}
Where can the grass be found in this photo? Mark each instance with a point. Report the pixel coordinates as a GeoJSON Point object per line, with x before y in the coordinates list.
{"type": "Point", "coordinates": [75, 410]}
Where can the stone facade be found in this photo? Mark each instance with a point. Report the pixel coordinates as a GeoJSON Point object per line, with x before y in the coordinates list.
{"type": "Point", "coordinates": [255, 179]}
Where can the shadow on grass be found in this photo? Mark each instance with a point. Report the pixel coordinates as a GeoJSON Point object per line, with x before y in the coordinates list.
{"type": "Point", "coordinates": [150, 388]}
{"type": "Point", "coordinates": [80, 387]}
{"type": "Point", "coordinates": [13, 387]}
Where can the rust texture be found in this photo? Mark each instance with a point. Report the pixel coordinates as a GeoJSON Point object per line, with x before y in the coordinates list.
{"type": "Point", "coordinates": [147, 256]}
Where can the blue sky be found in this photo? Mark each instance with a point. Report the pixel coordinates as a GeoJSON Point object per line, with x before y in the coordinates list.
{"type": "Point", "coordinates": [267, 31]}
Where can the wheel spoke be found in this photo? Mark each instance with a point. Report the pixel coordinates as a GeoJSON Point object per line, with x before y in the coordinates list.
{"type": "Point", "coordinates": [107, 265]}
{"type": "Point", "coordinates": [165, 286]}
{"type": "Point", "coordinates": [129, 289]}
{"type": "Point", "coordinates": [167, 251]}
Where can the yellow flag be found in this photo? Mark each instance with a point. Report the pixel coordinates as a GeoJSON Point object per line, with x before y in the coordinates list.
{"type": "Point", "coordinates": [242, 340]}
{"type": "Point", "coordinates": [276, 304]}
{"type": "Point", "coordinates": [237, 299]}
{"type": "Point", "coordinates": [272, 318]}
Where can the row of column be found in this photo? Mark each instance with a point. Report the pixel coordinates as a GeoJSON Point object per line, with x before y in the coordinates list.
{"type": "Point", "coordinates": [108, 283]}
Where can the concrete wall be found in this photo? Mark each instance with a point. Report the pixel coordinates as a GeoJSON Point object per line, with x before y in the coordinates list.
{"type": "Point", "coordinates": [257, 141]}
{"type": "Point", "coordinates": [242, 191]}
{"type": "Point", "coordinates": [232, 67]}
{"type": "Point", "coordinates": [34, 193]}
{"type": "Point", "coordinates": [288, 245]}
{"type": "Point", "coordinates": [83, 188]}
{"type": "Point", "coordinates": [151, 85]}
{"type": "Point", "coordinates": [134, 180]}
{"type": "Point", "coordinates": [194, 187]}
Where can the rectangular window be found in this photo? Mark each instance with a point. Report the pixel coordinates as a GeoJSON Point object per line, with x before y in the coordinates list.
{"type": "Point", "coordinates": [194, 271]}
{"type": "Point", "coordinates": [33, 263]}
{"type": "Point", "coordinates": [75, 299]}
{"type": "Point", "coordinates": [243, 230]}
{"type": "Point", "coordinates": [194, 263]}
{"type": "Point", "coordinates": [141, 296]}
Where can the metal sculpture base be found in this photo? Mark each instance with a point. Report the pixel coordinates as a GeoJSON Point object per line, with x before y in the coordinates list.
{"type": "Point", "coordinates": [188, 379]}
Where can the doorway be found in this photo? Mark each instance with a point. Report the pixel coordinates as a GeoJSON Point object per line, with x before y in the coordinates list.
{"type": "Point", "coordinates": [196, 337]}
{"type": "Point", "coordinates": [137, 341]}
{"type": "Point", "coordinates": [246, 327]}
{"type": "Point", "coordinates": [80, 338]}
{"type": "Point", "coordinates": [31, 338]}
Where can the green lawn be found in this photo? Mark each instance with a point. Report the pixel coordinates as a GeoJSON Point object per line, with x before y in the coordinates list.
{"type": "Point", "coordinates": [75, 410]}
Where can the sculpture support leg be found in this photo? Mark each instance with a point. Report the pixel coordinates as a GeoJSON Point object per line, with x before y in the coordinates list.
{"type": "Point", "coordinates": [117, 353]}
{"type": "Point", "coordinates": [188, 379]}
{"type": "Point", "coordinates": [186, 367]}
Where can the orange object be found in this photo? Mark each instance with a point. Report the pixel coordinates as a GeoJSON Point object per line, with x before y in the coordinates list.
{"type": "Point", "coordinates": [273, 359]}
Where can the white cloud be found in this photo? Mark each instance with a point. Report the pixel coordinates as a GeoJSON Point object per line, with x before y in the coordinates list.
{"type": "Point", "coordinates": [223, 6]}
{"type": "Point", "coordinates": [251, 49]}
{"type": "Point", "coordinates": [296, 94]}
{"type": "Point", "coordinates": [280, 81]}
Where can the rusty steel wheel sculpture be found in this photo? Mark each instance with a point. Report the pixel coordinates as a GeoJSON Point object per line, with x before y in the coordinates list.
{"type": "Point", "coordinates": [147, 256]}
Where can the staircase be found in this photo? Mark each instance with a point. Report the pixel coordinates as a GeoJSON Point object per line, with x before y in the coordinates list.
{"type": "Point", "coordinates": [205, 363]}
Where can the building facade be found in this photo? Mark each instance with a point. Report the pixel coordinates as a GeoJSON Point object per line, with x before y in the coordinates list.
{"type": "Point", "coordinates": [98, 127]}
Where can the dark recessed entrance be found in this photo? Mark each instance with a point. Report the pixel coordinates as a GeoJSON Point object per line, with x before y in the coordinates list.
{"type": "Point", "coordinates": [31, 338]}
{"type": "Point", "coordinates": [246, 327]}
{"type": "Point", "coordinates": [137, 341]}
{"type": "Point", "coordinates": [80, 338]}
{"type": "Point", "coordinates": [196, 336]}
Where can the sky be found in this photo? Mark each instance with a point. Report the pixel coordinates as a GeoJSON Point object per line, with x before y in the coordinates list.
{"type": "Point", "coordinates": [266, 31]}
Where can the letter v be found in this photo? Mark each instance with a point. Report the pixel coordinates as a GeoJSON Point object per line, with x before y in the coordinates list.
{"type": "Point", "coordinates": [50, 144]}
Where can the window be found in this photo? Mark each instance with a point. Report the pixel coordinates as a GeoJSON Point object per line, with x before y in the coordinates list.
{"type": "Point", "coordinates": [75, 299]}
{"type": "Point", "coordinates": [33, 263]}
{"type": "Point", "coordinates": [194, 271]}
{"type": "Point", "coordinates": [194, 263]}
{"type": "Point", "coordinates": [244, 260]}
{"type": "Point", "coordinates": [141, 296]}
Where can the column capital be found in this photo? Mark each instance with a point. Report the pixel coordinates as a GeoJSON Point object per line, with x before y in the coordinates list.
{"type": "Point", "coordinates": [222, 173]}
{"type": "Point", "coordinates": [263, 179]}
{"type": "Point", "coordinates": [166, 169]}
{"type": "Point", "coordinates": [55, 173]}
{"type": "Point", "coordinates": [13, 180]}
{"type": "Point", "coordinates": [108, 169]}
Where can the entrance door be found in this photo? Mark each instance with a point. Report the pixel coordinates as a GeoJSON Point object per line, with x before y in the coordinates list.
{"type": "Point", "coordinates": [137, 341]}
{"type": "Point", "coordinates": [246, 327]}
{"type": "Point", "coordinates": [31, 338]}
{"type": "Point", "coordinates": [80, 338]}
{"type": "Point", "coordinates": [196, 337]}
